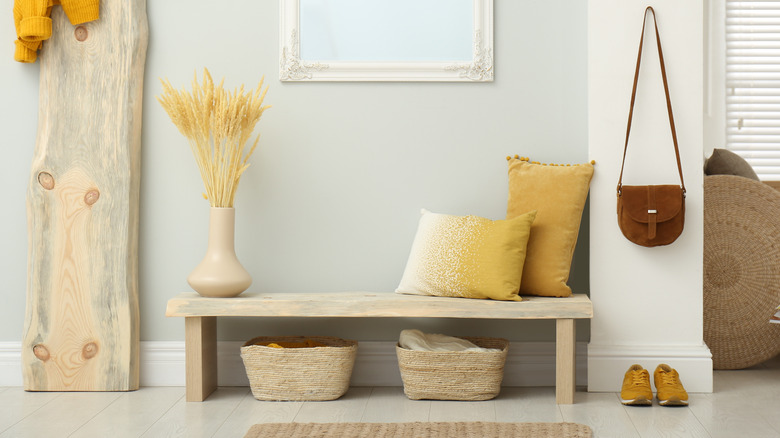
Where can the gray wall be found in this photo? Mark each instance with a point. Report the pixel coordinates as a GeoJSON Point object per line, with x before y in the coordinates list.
{"type": "Point", "coordinates": [332, 199]}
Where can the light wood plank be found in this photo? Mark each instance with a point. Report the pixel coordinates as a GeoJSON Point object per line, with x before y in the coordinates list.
{"type": "Point", "coordinates": [200, 344]}
{"type": "Point", "coordinates": [251, 411]}
{"type": "Point", "coordinates": [81, 326]}
{"type": "Point", "coordinates": [388, 404]}
{"type": "Point", "coordinates": [131, 414]}
{"type": "Point", "coordinates": [196, 420]}
{"type": "Point", "coordinates": [762, 390]}
{"type": "Point", "coordinates": [16, 404]}
{"type": "Point", "coordinates": [62, 416]}
{"type": "Point", "coordinates": [659, 421]}
{"type": "Point", "coordinates": [739, 407]}
{"type": "Point", "coordinates": [760, 378]}
{"type": "Point", "coordinates": [603, 412]}
{"type": "Point", "coordinates": [565, 370]}
{"type": "Point", "coordinates": [527, 404]}
{"type": "Point", "coordinates": [347, 409]}
{"type": "Point", "coordinates": [368, 304]}
{"type": "Point", "coordinates": [445, 410]}
{"type": "Point", "coordinates": [743, 401]}
{"type": "Point", "coordinates": [726, 417]}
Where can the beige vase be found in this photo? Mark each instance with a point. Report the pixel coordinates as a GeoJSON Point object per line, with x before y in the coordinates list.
{"type": "Point", "coordinates": [220, 274]}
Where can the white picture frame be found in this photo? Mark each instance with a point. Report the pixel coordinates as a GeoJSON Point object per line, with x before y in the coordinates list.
{"type": "Point", "coordinates": [294, 69]}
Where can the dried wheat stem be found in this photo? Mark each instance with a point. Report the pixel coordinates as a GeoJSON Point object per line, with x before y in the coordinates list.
{"type": "Point", "coordinates": [217, 124]}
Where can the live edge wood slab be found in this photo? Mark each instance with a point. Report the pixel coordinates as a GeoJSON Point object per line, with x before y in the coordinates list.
{"type": "Point", "coordinates": [200, 320]}
{"type": "Point", "coordinates": [81, 329]}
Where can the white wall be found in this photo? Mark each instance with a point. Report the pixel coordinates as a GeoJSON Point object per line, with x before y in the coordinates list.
{"type": "Point", "coordinates": [647, 301]}
{"type": "Point", "coordinates": [714, 75]}
{"type": "Point", "coordinates": [332, 199]}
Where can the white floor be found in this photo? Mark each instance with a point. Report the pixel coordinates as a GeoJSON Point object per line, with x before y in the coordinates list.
{"type": "Point", "coordinates": [745, 403]}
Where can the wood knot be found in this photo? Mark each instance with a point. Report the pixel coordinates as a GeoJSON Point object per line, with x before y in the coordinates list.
{"type": "Point", "coordinates": [41, 352]}
{"type": "Point", "coordinates": [81, 33]}
{"type": "Point", "coordinates": [90, 350]}
{"type": "Point", "coordinates": [92, 196]}
{"type": "Point", "coordinates": [46, 180]}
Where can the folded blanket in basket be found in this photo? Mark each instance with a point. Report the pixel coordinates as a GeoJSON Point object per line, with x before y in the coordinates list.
{"type": "Point", "coordinates": [417, 340]}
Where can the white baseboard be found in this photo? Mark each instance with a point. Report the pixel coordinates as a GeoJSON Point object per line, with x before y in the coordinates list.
{"type": "Point", "coordinates": [162, 364]}
{"type": "Point", "coordinates": [608, 363]}
{"type": "Point", "coordinates": [10, 364]}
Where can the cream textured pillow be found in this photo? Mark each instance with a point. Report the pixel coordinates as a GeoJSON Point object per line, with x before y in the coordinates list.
{"type": "Point", "coordinates": [467, 256]}
{"type": "Point", "coordinates": [558, 194]}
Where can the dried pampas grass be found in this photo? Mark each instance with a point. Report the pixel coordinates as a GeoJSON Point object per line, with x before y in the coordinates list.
{"type": "Point", "coordinates": [218, 125]}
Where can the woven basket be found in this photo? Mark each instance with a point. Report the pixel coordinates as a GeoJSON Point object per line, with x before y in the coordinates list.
{"type": "Point", "coordinates": [315, 373]}
{"type": "Point", "coordinates": [741, 270]}
{"type": "Point", "coordinates": [454, 375]}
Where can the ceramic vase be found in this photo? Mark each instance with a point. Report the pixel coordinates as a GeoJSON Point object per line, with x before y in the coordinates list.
{"type": "Point", "coordinates": [220, 274]}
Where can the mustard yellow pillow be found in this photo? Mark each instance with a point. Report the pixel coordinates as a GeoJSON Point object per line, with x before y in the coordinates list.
{"type": "Point", "coordinates": [558, 194]}
{"type": "Point", "coordinates": [467, 256]}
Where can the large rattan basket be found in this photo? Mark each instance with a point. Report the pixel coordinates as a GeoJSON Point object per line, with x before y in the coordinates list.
{"type": "Point", "coordinates": [454, 375]}
{"type": "Point", "coordinates": [315, 373]}
{"type": "Point", "coordinates": [741, 271]}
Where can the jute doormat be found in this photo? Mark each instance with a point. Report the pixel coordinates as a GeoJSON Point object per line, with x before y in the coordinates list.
{"type": "Point", "coordinates": [419, 430]}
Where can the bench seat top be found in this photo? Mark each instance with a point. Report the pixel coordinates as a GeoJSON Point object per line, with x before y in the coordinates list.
{"type": "Point", "coordinates": [378, 304]}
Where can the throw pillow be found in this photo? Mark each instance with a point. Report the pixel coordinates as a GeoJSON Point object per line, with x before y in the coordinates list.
{"type": "Point", "coordinates": [558, 194]}
{"type": "Point", "coordinates": [467, 256]}
{"type": "Point", "coordinates": [725, 162]}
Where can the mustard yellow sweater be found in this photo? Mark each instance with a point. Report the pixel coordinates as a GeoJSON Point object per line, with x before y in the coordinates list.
{"type": "Point", "coordinates": [33, 24]}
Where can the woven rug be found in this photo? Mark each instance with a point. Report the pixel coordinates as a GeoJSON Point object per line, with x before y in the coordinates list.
{"type": "Point", "coordinates": [419, 430]}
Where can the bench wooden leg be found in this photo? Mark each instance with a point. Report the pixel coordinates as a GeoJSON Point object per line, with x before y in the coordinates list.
{"type": "Point", "coordinates": [200, 344]}
{"type": "Point", "coordinates": [564, 361]}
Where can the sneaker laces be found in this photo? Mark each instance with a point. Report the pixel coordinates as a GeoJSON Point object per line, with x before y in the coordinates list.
{"type": "Point", "coordinates": [669, 379]}
{"type": "Point", "coordinates": [640, 378]}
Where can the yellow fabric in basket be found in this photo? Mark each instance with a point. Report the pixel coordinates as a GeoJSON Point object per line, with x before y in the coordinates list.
{"type": "Point", "coordinates": [308, 343]}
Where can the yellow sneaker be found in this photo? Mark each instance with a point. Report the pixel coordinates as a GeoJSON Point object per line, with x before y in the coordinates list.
{"type": "Point", "coordinates": [636, 387]}
{"type": "Point", "coordinates": [669, 389]}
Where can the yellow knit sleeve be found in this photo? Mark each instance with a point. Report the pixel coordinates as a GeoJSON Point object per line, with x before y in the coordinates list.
{"type": "Point", "coordinates": [34, 23]}
{"type": "Point", "coordinates": [81, 11]}
{"type": "Point", "coordinates": [26, 52]}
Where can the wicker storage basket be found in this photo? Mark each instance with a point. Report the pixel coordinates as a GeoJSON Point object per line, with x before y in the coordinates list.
{"type": "Point", "coordinates": [741, 275]}
{"type": "Point", "coordinates": [314, 373]}
{"type": "Point", "coordinates": [454, 375]}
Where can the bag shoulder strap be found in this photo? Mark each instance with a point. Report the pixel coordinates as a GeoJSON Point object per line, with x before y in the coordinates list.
{"type": "Point", "coordinates": [668, 100]}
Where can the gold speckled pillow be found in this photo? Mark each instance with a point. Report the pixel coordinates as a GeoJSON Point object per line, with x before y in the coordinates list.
{"type": "Point", "coordinates": [558, 194]}
{"type": "Point", "coordinates": [467, 256]}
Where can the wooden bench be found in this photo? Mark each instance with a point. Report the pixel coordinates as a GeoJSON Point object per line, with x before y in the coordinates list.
{"type": "Point", "coordinates": [200, 321]}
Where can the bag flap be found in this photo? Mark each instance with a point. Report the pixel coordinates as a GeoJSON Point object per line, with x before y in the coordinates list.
{"type": "Point", "coordinates": [668, 202]}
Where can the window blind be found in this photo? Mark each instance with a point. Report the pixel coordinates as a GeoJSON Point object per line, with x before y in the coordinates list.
{"type": "Point", "coordinates": [753, 84]}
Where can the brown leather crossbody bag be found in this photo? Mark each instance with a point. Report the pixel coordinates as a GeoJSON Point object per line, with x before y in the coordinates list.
{"type": "Point", "coordinates": [651, 215]}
